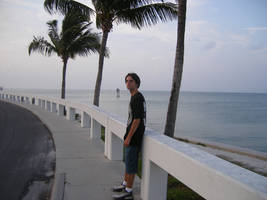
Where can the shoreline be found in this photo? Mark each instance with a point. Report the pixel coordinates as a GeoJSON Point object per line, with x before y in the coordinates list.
{"type": "Point", "coordinates": [225, 147]}
{"type": "Point", "coordinates": [249, 159]}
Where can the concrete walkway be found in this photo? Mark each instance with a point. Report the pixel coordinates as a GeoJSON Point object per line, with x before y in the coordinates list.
{"type": "Point", "coordinates": [88, 174]}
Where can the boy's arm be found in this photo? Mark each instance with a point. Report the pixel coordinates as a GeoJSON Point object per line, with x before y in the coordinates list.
{"type": "Point", "coordinates": [133, 128]}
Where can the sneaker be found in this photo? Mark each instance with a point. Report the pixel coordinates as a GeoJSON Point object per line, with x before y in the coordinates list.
{"type": "Point", "coordinates": [123, 196]}
{"type": "Point", "coordinates": [119, 188]}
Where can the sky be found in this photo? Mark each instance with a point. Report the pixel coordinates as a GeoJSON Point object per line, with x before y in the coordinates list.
{"type": "Point", "coordinates": [225, 50]}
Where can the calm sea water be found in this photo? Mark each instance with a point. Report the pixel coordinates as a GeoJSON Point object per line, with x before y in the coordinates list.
{"type": "Point", "coordinates": [238, 119]}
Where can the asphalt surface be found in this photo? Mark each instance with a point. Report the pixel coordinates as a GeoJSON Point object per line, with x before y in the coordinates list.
{"type": "Point", "coordinates": [27, 155]}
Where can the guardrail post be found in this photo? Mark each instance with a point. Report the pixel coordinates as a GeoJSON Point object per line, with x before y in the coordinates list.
{"type": "Point", "coordinates": [85, 120]}
{"type": "Point", "coordinates": [48, 106]}
{"type": "Point", "coordinates": [71, 113]}
{"type": "Point", "coordinates": [154, 182]}
{"type": "Point", "coordinates": [40, 102]}
{"type": "Point", "coordinates": [113, 146]}
{"type": "Point", "coordinates": [22, 99]}
{"type": "Point", "coordinates": [54, 107]}
{"type": "Point", "coordinates": [154, 179]}
{"type": "Point", "coordinates": [43, 104]}
{"type": "Point", "coordinates": [27, 100]}
{"type": "Point", "coordinates": [95, 130]}
{"type": "Point", "coordinates": [60, 110]}
{"type": "Point", "coordinates": [18, 99]}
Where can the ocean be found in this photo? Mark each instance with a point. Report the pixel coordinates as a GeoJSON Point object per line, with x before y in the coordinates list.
{"type": "Point", "coordinates": [238, 119]}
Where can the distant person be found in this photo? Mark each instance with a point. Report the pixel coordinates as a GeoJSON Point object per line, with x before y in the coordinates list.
{"type": "Point", "coordinates": [133, 137]}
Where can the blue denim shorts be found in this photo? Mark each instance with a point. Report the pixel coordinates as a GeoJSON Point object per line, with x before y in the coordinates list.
{"type": "Point", "coordinates": [131, 159]}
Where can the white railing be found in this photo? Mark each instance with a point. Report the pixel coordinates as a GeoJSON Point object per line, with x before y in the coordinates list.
{"type": "Point", "coordinates": [211, 177]}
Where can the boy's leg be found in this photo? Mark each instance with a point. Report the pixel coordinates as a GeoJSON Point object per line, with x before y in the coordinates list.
{"type": "Point", "coordinates": [130, 180]}
{"type": "Point", "coordinates": [126, 177]}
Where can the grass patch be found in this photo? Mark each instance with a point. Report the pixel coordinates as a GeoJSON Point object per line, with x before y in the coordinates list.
{"type": "Point", "coordinates": [177, 190]}
{"type": "Point", "coordinates": [102, 133]}
{"type": "Point", "coordinates": [201, 144]}
{"type": "Point", "coordinates": [78, 117]}
{"type": "Point", "coordinates": [183, 140]}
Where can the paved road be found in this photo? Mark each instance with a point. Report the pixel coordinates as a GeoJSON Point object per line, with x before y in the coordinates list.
{"type": "Point", "coordinates": [27, 155]}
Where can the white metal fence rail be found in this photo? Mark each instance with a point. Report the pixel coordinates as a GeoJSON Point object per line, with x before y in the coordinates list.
{"type": "Point", "coordinates": [206, 174]}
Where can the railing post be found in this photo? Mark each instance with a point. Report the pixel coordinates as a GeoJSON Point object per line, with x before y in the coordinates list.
{"type": "Point", "coordinates": [27, 100]}
{"type": "Point", "coordinates": [48, 106]}
{"type": "Point", "coordinates": [43, 104]}
{"type": "Point", "coordinates": [18, 99]}
{"type": "Point", "coordinates": [54, 107]}
{"type": "Point", "coordinates": [113, 146]}
{"type": "Point", "coordinates": [71, 113]}
{"type": "Point", "coordinates": [95, 130]}
{"type": "Point", "coordinates": [154, 179]}
{"type": "Point", "coordinates": [61, 110]}
{"type": "Point", "coordinates": [85, 120]}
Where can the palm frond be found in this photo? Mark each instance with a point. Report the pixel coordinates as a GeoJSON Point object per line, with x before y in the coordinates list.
{"type": "Point", "coordinates": [53, 32]}
{"type": "Point", "coordinates": [65, 6]}
{"type": "Point", "coordinates": [84, 45]}
{"type": "Point", "coordinates": [115, 5]}
{"type": "Point", "coordinates": [40, 45]}
{"type": "Point", "coordinates": [148, 14]}
{"type": "Point", "coordinates": [71, 33]}
{"type": "Point", "coordinates": [73, 19]}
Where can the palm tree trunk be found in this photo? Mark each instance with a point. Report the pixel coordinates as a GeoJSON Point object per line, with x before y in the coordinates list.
{"type": "Point", "coordinates": [100, 67]}
{"type": "Point", "coordinates": [178, 70]}
{"type": "Point", "coordinates": [63, 79]}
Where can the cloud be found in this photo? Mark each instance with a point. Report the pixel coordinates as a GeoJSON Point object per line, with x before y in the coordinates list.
{"type": "Point", "coordinates": [256, 28]}
{"type": "Point", "coordinates": [210, 45]}
{"type": "Point", "coordinates": [196, 3]}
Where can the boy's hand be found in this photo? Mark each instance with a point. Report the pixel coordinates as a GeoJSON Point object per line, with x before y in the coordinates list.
{"type": "Point", "coordinates": [127, 141]}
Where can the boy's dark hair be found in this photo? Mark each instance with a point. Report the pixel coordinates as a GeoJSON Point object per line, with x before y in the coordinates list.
{"type": "Point", "coordinates": [135, 77]}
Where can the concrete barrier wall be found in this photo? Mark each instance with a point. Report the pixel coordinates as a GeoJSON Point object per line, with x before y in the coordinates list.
{"type": "Point", "coordinates": [209, 176]}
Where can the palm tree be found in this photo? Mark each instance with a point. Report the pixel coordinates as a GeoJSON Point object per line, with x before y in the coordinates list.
{"type": "Point", "coordinates": [178, 70]}
{"type": "Point", "coordinates": [137, 13]}
{"type": "Point", "coordinates": [75, 38]}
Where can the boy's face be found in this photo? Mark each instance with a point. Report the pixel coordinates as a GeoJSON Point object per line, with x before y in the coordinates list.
{"type": "Point", "coordinates": [130, 83]}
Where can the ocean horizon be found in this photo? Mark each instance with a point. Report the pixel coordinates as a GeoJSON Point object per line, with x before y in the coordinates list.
{"type": "Point", "coordinates": [232, 118]}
